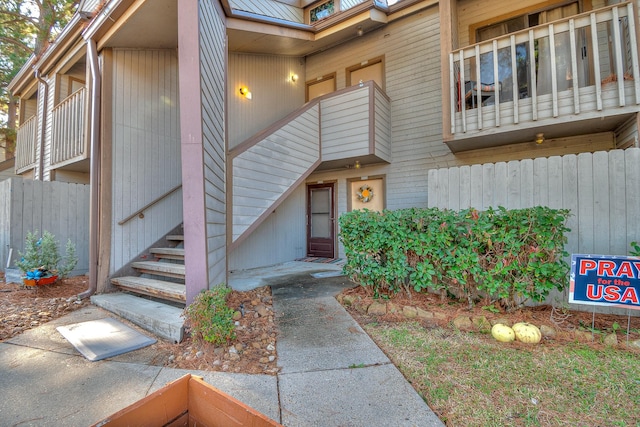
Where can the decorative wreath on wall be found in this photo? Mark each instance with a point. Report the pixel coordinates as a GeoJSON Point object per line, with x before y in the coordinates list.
{"type": "Point", "coordinates": [365, 194]}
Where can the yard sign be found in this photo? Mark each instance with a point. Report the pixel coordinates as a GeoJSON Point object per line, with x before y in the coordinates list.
{"type": "Point", "coordinates": [605, 280]}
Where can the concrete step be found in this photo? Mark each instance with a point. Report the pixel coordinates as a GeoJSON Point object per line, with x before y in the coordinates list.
{"type": "Point", "coordinates": [163, 320]}
{"type": "Point", "coordinates": [177, 271]}
{"type": "Point", "coordinates": [155, 288]}
{"type": "Point", "coordinates": [168, 253]}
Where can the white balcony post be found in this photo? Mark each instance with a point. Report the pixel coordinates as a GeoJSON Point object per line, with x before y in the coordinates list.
{"type": "Point", "coordinates": [534, 77]}
{"type": "Point", "coordinates": [496, 83]}
{"type": "Point", "coordinates": [596, 61]}
{"type": "Point", "coordinates": [514, 80]}
{"type": "Point", "coordinates": [574, 67]}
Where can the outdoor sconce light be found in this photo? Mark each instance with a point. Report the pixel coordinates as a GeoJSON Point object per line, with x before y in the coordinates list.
{"type": "Point", "coordinates": [244, 91]}
{"type": "Point", "coordinates": [359, 31]}
{"type": "Point", "coordinates": [539, 138]}
{"type": "Point", "coordinates": [294, 78]}
{"type": "Point", "coordinates": [357, 165]}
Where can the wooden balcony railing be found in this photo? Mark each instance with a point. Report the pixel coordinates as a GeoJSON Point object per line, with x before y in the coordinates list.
{"type": "Point", "coordinates": [68, 142]}
{"type": "Point", "coordinates": [26, 145]}
{"type": "Point", "coordinates": [587, 63]}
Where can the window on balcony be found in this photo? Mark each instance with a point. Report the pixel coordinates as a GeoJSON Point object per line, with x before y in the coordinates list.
{"type": "Point", "coordinates": [541, 54]}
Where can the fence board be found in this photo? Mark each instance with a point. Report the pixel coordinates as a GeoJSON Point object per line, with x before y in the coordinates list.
{"type": "Point", "coordinates": [617, 203]}
{"type": "Point", "coordinates": [632, 173]}
{"type": "Point", "coordinates": [58, 207]}
{"type": "Point", "coordinates": [586, 203]}
{"type": "Point", "coordinates": [488, 186]}
{"type": "Point", "coordinates": [601, 196]}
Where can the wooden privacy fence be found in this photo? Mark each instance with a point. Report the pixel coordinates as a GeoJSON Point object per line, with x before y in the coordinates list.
{"type": "Point", "coordinates": [601, 189]}
{"type": "Point", "coordinates": [58, 207]}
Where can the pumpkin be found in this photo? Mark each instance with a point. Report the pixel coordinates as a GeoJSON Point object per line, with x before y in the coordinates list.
{"type": "Point", "coordinates": [502, 333]}
{"type": "Point", "coordinates": [527, 333]}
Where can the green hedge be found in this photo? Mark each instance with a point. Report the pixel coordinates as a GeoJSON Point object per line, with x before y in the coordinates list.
{"type": "Point", "coordinates": [509, 256]}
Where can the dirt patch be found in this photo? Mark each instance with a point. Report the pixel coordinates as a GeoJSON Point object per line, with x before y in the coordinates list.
{"type": "Point", "coordinates": [23, 308]}
{"type": "Point", "coordinates": [253, 352]}
{"type": "Point", "coordinates": [568, 325]}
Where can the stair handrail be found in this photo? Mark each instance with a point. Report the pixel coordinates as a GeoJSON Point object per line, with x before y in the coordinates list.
{"type": "Point", "coordinates": [148, 205]}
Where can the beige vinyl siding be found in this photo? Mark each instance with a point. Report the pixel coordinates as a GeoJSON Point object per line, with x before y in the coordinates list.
{"type": "Point", "coordinates": [274, 95]}
{"type": "Point", "coordinates": [280, 238]}
{"type": "Point", "coordinates": [382, 127]}
{"type": "Point", "coordinates": [212, 71]}
{"type": "Point", "coordinates": [627, 134]}
{"type": "Point", "coordinates": [413, 86]}
{"type": "Point", "coordinates": [146, 149]}
{"type": "Point", "coordinates": [264, 172]}
{"type": "Point", "coordinates": [30, 108]}
{"type": "Point", "coordinates": [270, 8]}
{"type": "Point", "coordinates": [345, 125]}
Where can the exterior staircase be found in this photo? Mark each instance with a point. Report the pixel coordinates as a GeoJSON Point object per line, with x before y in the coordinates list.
{"type": "Point", "coordinates": [154, 298]}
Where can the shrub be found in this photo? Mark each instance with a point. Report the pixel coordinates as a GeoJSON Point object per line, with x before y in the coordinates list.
{"type": "Point", "coordinates": [509, 256]}
{"type": "Point", "coordinates": [209, 317]}
{"type": "Point", "coordinates": [41, 255]}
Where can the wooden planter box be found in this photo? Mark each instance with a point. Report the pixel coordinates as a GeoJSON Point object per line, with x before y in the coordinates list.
{"type": "Point", "coordinates": [188, 401]}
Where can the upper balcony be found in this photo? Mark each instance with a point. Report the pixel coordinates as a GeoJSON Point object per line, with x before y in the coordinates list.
{"type": "Point", "coordinates": [572, 76]}
{"type": "Point", "coordinates": [26, 145]}
{"type": "Point", "coordinates": [68, 142]}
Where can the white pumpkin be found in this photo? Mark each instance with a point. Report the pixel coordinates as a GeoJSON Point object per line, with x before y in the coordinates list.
{"type": "Point", "coordinates": [502, 333]}
{"type": "Point", "coordinates": [527, 333]}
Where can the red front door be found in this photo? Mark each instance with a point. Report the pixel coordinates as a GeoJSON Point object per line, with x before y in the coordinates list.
{"type": "Point", "coordinates": [320, 220]}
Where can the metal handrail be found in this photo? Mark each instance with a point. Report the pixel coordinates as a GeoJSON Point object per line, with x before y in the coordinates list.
{"type": "Point", "coordinates": [140, 211]}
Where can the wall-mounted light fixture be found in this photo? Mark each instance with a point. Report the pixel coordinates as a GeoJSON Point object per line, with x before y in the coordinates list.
{"type": "Point", "coordinates": [539, 138]}
{"type": "Point", "coordinates": [359, 31]}
{"type": "Point", "coordinates": [244, 91]}
{"type": "Point", "coordinates": [357, 165]}
{"type": "Point", "coordinates": [293, 77]}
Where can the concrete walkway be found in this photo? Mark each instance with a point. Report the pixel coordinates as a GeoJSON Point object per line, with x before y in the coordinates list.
{"type": "Point", "coordinates": [331, 374]}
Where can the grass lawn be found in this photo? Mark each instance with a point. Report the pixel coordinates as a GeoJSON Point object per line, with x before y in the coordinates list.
{"type": "Point", "coordinates": [469, 379]}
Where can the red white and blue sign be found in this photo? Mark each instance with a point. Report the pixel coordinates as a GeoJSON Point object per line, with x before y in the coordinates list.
{"type": "Point", "coordinates": [605, 280]}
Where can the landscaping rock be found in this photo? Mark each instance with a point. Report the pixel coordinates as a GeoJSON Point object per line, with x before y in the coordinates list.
{"type": "Point", "coordinates": [377, 309]}
{"type": "Point", "coordinates": [502, 320]}
{"type": "Point", "coordinates": [262, 310]}
{"type": "Point", "coordinates": [634, 344]}
{"type": "Point", "coordinates": [424, 314]}
{"type": "Point", "coordinates": [463, 323]}
{"type": "Point", "coordinates": [547, 331]}
{"type": "Point", "coordinates": [583, 336]}
{"type": "Point", "coordinates": [611, 339]}
{"type": "Point", "coordinates": [482, 324]}
{"type": "Point", "coordinates": [409, 312]}
{"type": "Point", "coordinates": [348, 300]}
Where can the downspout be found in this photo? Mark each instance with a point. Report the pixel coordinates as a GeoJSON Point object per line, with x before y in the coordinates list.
{"type": "Point", "coordinates": [43, 124]}
{"type": "Point", "coordinates": [94, 178]}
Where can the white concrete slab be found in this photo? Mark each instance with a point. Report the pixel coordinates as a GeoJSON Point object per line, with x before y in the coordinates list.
{"type": "Point", "coordinates": [374, 396]}
{"type": "Point", "coordinates": [158, 318]}
{"type": "Point", "coordinates": [42, 388]}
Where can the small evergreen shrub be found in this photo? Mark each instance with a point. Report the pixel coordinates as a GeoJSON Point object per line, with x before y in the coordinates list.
{"type": "Point", "coordinates": [42, 257]}
{"type": "Point", "coordinates": [209, 316]}
{"type": "Point", "coordinates": [509, 256]}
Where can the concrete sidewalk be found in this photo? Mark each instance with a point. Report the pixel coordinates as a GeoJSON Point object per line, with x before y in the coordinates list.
{"type": "Point", "coordinates": [331, 372]}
